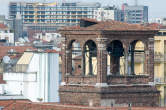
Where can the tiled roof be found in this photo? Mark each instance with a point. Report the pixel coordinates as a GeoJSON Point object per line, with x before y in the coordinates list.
{"type": "Point", "coordinates": [51, 51]}
{"type": "Point", "coordinates": [1, 79]}
{"type": "Point", "coordinates": [27, 105]}
{"type": "Point", "coordinates": [162, 27]}
{"type": "Point", "coordinates": [19, 49]}
{"type": "Point", "coordinates": [113, 26]}
{"type": "Point", "coordinates": [3, 26]}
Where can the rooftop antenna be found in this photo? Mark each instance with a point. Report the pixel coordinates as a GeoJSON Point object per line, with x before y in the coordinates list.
{"type": "Point", "coordinates": [136, 2]}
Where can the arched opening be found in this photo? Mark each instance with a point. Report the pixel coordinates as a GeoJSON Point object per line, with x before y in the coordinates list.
{"type": "Point", "coordinates": [115, 54]}
{"type": "Point", "coordinates": [76, 55]}
{"type": "Point", "coordinates": [90, 58]}
{"type": "Point", "coordinates": [136, 58]}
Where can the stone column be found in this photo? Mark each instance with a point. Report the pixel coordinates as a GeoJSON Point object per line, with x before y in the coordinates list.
{"type": "Point", "coordinates": [150, 59]}
{"type": "Point", "coordinates": [83, 62]}
{"type": "Point", "coordinates": [63, 66]}
{"type": "Point", "coordinates": [126, 55]}
{"type": "Point", "coordinates": [69, 61]}
{"type": "Point", "coordinates": [101, 62]}
{"type": "Point", "coordinates": [132, 60]}
{"type": "Point", "coordinates": [90, 64]}
{"type": "Point", "coordinates": [146, 58]}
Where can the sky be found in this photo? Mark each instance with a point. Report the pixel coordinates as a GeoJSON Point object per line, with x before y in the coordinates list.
{"type": "Point", "coordinates": [157, 8]}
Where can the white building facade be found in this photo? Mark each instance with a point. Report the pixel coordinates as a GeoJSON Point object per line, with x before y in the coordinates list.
{"type": "Point", "coordinates": [9, 37]}
{"type": "Point", "coordinates": [135, 14]}
{"type": "Point", "coordinates": [36, 77]}
{"type": "Point", "coordinates": [109, 13]}
{"type": "Point", "coordinates": [47, 36]}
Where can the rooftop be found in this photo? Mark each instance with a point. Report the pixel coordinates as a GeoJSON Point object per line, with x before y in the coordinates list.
{"type": "Point", "coordinates": [3, 26]}
{"type": "Point", "coordinates": [110, 25]}
{"type": "Point", "coordinates": [27, 105]}
{"type": "Point", "coordinates": [18, 49]}
{"type": "Point", "coordinates": [12, 97]}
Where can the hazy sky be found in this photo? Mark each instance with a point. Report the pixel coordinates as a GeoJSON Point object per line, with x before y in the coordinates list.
{"type": "Point", "coordinates": [157, 8]}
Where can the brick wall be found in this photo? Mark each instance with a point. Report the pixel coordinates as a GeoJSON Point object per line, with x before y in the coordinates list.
{"type": "Point", "coordinates": [138, 95]}
{"type": "Point", "coordinates": [135, 79]}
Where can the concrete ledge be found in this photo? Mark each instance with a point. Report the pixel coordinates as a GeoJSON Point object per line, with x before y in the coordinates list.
{"type": "Point", "coordinates": [63, 83]}
{"type": "Point", "coordinates": [101, 85]}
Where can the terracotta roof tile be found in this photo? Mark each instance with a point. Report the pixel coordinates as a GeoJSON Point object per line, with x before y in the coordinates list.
{"type": "Point", "coordinates": [1, 79]}
{"type": "Point", "coordinates": [27, 105]}
{"type": "Point", "coordinates": [51, 51]}
{"type": "Point", "coordinates": [19, 49]}
{"type": "Point", "coordinates": [162, 27]}
{"type": "Point", "coordinates": [3, 26]}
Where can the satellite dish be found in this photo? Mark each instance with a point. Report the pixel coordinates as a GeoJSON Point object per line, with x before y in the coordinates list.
{"type": "Point", "coordinates": [6, 59]}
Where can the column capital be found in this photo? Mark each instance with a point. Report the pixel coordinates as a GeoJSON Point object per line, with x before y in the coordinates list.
{"type": "Point", "coordinates": [63, 83]}
{"type": "Point", "coordinates": [63, 39]}
{"type": "Point", "coordinates": [151, 39]}
{"type": "Point", "coordinates": [101, 39]}
{"type": "Point", "coordinates": [67, 51]}
{"type": "Point", "coordinates": [101, 46]}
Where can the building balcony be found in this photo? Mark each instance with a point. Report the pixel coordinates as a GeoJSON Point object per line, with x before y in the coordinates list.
{"type": "Point", "coordinates": [160, 80]}
{"type": "Point", "coordinates": [139, 58]}
{"type": "Point", "coordinates": [158, 58]}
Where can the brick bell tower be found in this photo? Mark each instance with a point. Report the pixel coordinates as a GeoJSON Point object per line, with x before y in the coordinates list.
{"type": "Point", "coordinates": [98, 64]}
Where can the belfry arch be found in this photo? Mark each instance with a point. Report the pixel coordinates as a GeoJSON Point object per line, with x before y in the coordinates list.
{"type": "Point", "coordinates": [115, 51]}
{"type": "Point", "coordinates": [90, 55]}
{"type": "Point", "coordinates": [137, 57]}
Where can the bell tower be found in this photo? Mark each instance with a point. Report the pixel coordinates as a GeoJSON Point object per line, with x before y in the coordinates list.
{"type": "Point", "coordinates": [105, 54]}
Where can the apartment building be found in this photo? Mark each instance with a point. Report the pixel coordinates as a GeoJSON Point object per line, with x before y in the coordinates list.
{"type": "Point", "coordinates": [108, 13]}
{"type": "Point", "coordinates": [135, 14]}
{"type": "Point", "coordinates": [61, 14]}
{"type": "Point", "coordinates": [35, 76]}
{"type": "Point", "coordinates": [6, 35]}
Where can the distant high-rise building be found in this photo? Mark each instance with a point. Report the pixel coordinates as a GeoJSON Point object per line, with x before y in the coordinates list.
{"type": "Point", "coordinates": [18, 27]}
{"type": "Point", "coordinates": [135, 14]}
{"type": "Point", "coordinates": [2, 18]}
{"type": "Point", "coordinates": [48, 17]}
{"type": "Point", "coordinates": [63, 14]}
{"type": "Point", "coordinates": [108, 13]}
